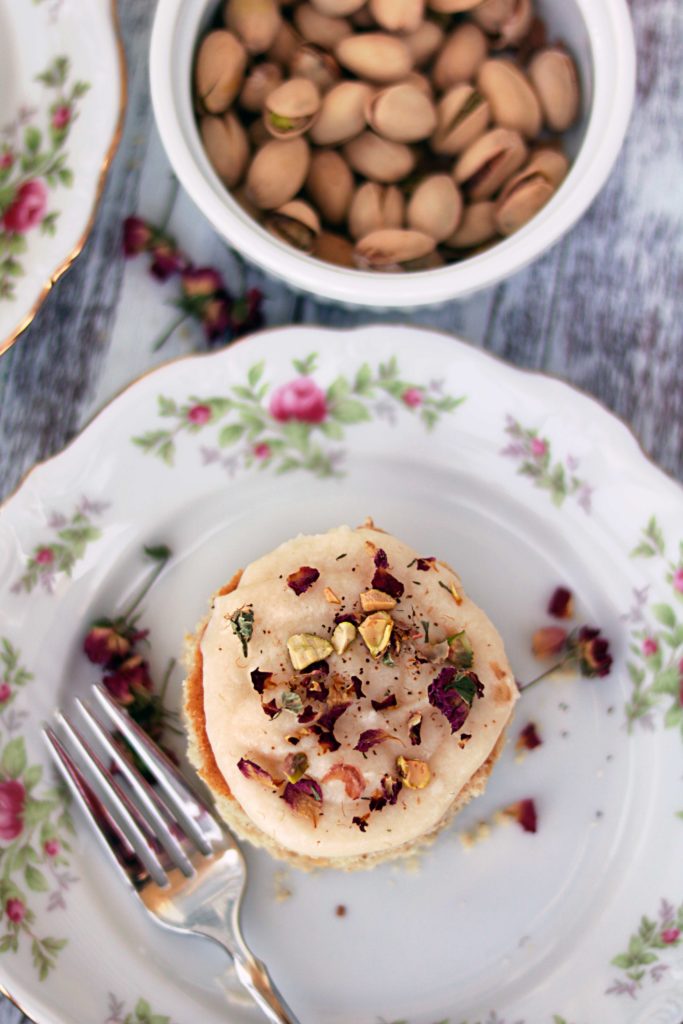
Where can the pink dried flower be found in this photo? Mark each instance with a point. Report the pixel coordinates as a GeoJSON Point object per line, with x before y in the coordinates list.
{"type": "Point", "coordinates": [137, 236]}
{"type": "Point", "coordinates": [412, 397]}
{"type": "Point", "coordinates": [199, 415]}
{"type": "Point", "coordinates": [201, 282]}
{"type": "Point", "coordinates": [549, 641]}
{"type": "Point", "coordinates": [593, 653]}
{"type": "Point", "coordinates": [167, 260]}
{"type": "Point", "coordinates": [61, 117]}
{"type": "Point", "coordinates": [561, 604]}
{"type": "Point", "coordinates": [539, 447]}
{"type": "Point", "coordinates": [12, 799]}
{"type": "Point", "coordinates": [5, 691]}
{"type": "Point", "coordinates": [215, 317]}
{"type": "Point", "coordinates": [133, 675]}
{"type": "Point", "coordinates": [15, 910]}
{"type": "Point", "coordinates": [300, 400]}
{"type": "Point", "coordinates": [27, 209]}
{"type": "Point", "coordinates": [103, 644]}
{"type": "Point", "coordinates": [650, 646]}
{"type": "Point", "coordinates": [524, 813]}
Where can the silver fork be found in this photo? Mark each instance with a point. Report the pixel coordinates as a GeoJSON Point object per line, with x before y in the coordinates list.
{"type": "Point", "coordinates": [184, 866]}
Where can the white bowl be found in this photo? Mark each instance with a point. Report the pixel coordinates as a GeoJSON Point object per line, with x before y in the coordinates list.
{"type": "Point", "coordinates": [598, 32]}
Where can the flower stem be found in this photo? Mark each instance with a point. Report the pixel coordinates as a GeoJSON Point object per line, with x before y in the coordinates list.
{"type": "Point", "coordinates": [165, 681]}
{"type": "Point", "coordinates": [146, 588]}
{"type": "Point", "coordinates": [173, 326]}
{"type": "Point", "coordinates": [544, 675]}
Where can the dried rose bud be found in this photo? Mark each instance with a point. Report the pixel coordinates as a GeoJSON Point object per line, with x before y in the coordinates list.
{"type": "Point", "coordinates": [354, 783]}
{"type": "Point", "coordinates": [103, 644]}
{"type": "Point", "coordinates": [524, 813]}
{"type": "Point", "coordinates": [302, 580]}
{"type": "Point", "coordinates": [593, 652]}
{"type": "Point", "coordinates": [561, 604]}
{"type": "Point", "coordinates": [528, 738]}
{"type": "Point", "coordinates": [549, 641]}
{"type": "Point", "coordinates": [137, 236]}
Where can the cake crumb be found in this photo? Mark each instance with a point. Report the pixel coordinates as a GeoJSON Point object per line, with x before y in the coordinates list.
{"type": "Point", "coordinates": [282, 889]}
{"type": "Point", "coordinates": [340, 910]}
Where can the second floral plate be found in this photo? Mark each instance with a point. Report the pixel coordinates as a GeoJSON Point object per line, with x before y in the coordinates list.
{"type": "Point", "coordinates": [518, 481]}
{"type": "Point", "coordinates": [63, 84]}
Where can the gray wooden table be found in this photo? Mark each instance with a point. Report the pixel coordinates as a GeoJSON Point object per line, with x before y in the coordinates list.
{"type": "Point", "coordinates": [603, 310]}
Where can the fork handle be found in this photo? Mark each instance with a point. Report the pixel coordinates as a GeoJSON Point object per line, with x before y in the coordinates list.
{"type": "Point", "coordinates": [254, 975]}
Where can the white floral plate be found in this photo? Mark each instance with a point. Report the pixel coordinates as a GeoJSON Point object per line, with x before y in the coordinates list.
{"type": "Point", "coordinates": [63, 88]}
{"type": "Point", "coordinates": [516, 479]}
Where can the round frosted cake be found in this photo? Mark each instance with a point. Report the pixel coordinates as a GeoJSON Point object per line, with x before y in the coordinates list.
{"type": "Point", "coordinates": [345, 699]}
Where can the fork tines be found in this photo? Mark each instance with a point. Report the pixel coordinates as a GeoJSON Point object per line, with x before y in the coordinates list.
{"type": "Point", "coordinates": [150, 830]}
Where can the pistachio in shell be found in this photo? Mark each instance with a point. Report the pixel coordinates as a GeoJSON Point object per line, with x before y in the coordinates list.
{"type": "Point", "coordinates": [552, 163]}
{"type": "Point", "coordinates": [487, 164]}
{"type": "Point", "coordinates": [375, 56]}
{"type": "Point", "coordinates": [460, 57]}
{"type": "Point", "coordinates": [296, 223]}
{"type": "Point", "coordinates": [316, 64]}
{"type": "Point", "coordinates": [382, 250]}
{"type": "Point", "coordinates": [330, 185]}
{"type": "Point", "coordinates": [478, 226]}
{"type": "Point", "coordinates": [291, 109]}
{"type": "Point", "coordinates": [278, 172]}
{"type": "Point", "coordinates": [380, 159]}
{"type": "Point", "coordinates": [338, 8]}
{"type": "Point", "coordinates": [219, 70]}
{"type": "Point", "coordinates": [342, 114]}
{"type": "Point", "coordinates": [398, 15]}
{"type": "Point", "coordinates": [336, 249]}
{"type": "Point", "coordinates": [435, 207]}
{"type": "Point", "coordinates": [452, 6]}
{"type": "Point", "coordinates": [255, 22]}
{"type": "Point", "coordinates": [516, 27]}
{"type": "Point", "coordinates": [522, 201]}
{"type": "Point", "coordinates": [402, 113]}
{"type": "Point", "coordinates": [556, 80]}
{"type": "Point", "coordinates": [463, 114]}
{"type": "Point", "coordinates": [226, 145]}
{"type": "Point", "coordinates": [286, 43]}
{"type": "Point", "coordinates": [259, 84]}
{"type": "Point", "coordinates": [320, 29]}
{"type": "Point", "coordinates": [513, 100]}
{"type": "Point", "coordinates": [375, 207]}
{"type": "Point", "coordinates": [425, 42]}
{"type": "Point", "coordinates": [258, 134]}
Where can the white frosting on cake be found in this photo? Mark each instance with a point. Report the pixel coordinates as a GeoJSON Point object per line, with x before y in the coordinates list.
{"type": "Point", "coordinates": [238, 727]}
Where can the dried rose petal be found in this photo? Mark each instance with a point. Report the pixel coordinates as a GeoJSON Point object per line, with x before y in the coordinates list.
{"type": "Point", "coordinates": [386, 794]}
{"type": "Point", "coordinates": [594, 653]}
{"type": "Point", "coordinates": [388, 584]}
{"type": "Point", "coordinates": [302, 580]}
{"type": "Point", "coordinates": [561, 604]}
{"type": "Point", "coordinates": [271, 708]}
{"type": "Point", "coordinates": [253, 771]}
{"type": "Point", "coordinates": [362, 823]}
{"type": "Point", "coordinates": [528, 738]}
{"type": "Point", "coordinates": [524, 813]}
{"type": "Point", "coordinates": [414, 729]}
{"type": "Point", "coordinates": [314, 682]}
{"type": "Point", "coordinates": [371, 738]}
{"type": "Point", "coordinates": [452, 693]}
{"type": "Point", "coordinates": [260, 679]}
{"type": "Point", "coordinates": [381, 560]}
{"type": "Point", "coordinates": [305, 798]}
{"type": "Point", "coordinates": [422, 564]}
{"type": "Point", "coordinates": [324, 727]}
{"type": "Point", "coordinates": [307, 715]}
{"type": "Point", "coordinates": [357, 687]}
{"type": "Point", "coordinates": [347, 617]}
{"type": "Point", "coordinates": [549, 641]}
{"type": "Point", "coordinates": [383, 705]}
{"type": "Point", "coordinates": [354, 783]}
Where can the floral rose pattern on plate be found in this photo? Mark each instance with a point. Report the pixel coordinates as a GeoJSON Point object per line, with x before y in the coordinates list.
{"type": "Point", "coordinates": [642, 961]}
{"type": "Point", "coordinates": [294, 426]}
{"type": "Point", "coordinates": [656, 646]}
{"type": "Point", "coordinates": [140, 1014]}
{"type": "Point", "coordinates": [34, 826]}
{"type": "Point", "coordinates": [72, 536]}
{"type": "Point", "coordinates": [534, 455]}
{"type": "Point", "coordinates": [34, 161]}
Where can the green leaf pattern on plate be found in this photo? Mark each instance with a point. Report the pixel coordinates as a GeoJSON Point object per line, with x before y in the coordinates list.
{"type": "Point", "coordinates": [141, 1013]}
{"type": "Point", "coordinates": [655, 665]}
{"type": "Point", "coordinates": [641, 962]}
{"type": "Point", "coordinates": [35, 827]}
{"type": "Point", "coordinates": [71, 536]}
{"type": "Point", "coordinates": [294, 426]}
{"type": "Point", "coordinates": [534, 455]}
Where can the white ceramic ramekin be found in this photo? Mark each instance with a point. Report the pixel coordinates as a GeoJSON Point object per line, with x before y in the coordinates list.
{"type": "Point", "coordinates": [599, 33]}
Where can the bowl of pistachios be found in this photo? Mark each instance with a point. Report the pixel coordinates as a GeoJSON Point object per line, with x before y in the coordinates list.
{"type": "Point", "coordinates": [392, 153]}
